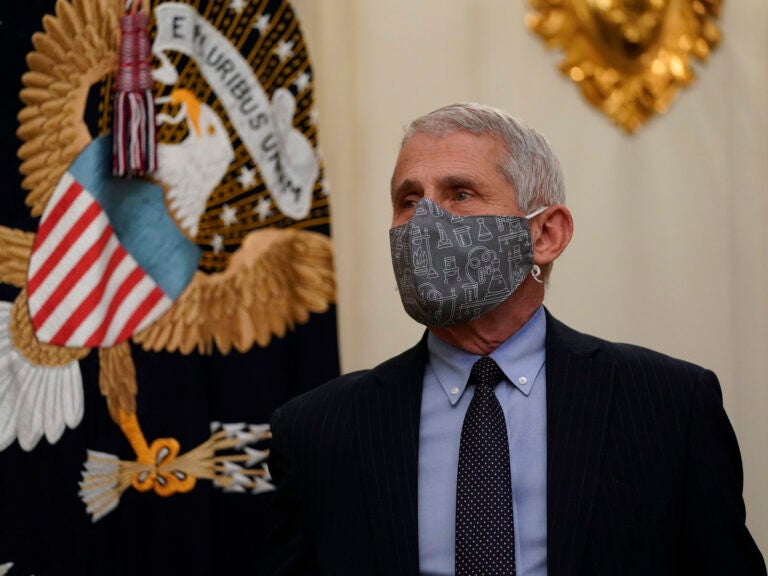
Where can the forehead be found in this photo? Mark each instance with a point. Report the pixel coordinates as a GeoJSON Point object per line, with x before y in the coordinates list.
{"type": "Point", "coordinates": [459, 152]}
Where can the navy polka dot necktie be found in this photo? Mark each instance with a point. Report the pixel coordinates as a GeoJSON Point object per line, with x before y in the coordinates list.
{"type": "Point", "coordinates": [485, 530]}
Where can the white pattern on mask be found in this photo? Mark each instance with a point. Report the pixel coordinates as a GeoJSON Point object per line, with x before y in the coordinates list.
{"type": "Point", "coordinates": [452, 269]}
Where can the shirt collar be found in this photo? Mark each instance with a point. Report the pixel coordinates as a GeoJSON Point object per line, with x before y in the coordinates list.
{"type": "Point", "coordinates": [520, 358]}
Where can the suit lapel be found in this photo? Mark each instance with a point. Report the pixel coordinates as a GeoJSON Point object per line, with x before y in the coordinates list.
{"type": "Point", "coordinates": [387, 412]}
{"type": "Point", "coordinates": [578, 394]}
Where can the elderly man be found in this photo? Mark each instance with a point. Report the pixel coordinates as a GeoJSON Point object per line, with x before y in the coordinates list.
{"type": "Point", "coordinates": [504, 442]}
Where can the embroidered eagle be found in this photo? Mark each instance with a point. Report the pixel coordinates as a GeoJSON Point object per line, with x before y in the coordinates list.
{"type": "Point", "coordinates": [117, 260]}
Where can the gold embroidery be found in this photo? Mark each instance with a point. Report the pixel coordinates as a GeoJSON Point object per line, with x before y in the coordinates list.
{"type": "Point", "coordinates": [275, 279]}
{"type": "Point", "coordinates": [15, 248]}
{"type": "Point", "coordinates": [77, 49]}
{"type": "Point", "coordinates": [117, 380]}
{"type": "Point", "coordinates": [27, 344]}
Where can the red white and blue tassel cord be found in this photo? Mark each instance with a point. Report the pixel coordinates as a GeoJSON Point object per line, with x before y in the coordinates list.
{"type": "Point", "coordinates": [134, 148]}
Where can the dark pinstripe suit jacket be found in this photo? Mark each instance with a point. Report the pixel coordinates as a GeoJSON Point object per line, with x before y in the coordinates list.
{"type": "Point", "coordinates": [644, 472]}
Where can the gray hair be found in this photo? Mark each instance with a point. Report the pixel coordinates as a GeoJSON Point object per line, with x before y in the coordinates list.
{"type": "Point", "coordinates": [529, 165]}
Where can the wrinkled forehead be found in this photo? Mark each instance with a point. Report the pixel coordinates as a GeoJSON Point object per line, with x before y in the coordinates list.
{"type": "Point", "coordinates": [459, 149]}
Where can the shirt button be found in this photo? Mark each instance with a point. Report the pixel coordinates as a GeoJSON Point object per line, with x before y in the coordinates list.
{"type": "Point", "coordinates": [455, 390]}
{"type": "Point", "coordinates": [522, 380]}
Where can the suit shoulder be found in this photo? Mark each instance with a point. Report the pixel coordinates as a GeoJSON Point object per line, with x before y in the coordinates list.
{"type": "Point", "coordinates": [637, 364]}
{"type": "Point", "coordinates": [640, 356]}
{"type": "Point", "coordinates": [623, 355]}
{"type": "Point", "coordinates": [338, 393]}
{"type": "Point", "coordinates": [330, 393]}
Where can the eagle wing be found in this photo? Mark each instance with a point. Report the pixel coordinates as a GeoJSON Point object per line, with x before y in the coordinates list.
{"type": "Point", "coordinates": [77, 49]}
{"type": "Point", "coordinates": [274, 280]}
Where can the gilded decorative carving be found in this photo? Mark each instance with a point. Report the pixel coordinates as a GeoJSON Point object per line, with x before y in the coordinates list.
{"type": "Point", "coordinates": [628, 57]}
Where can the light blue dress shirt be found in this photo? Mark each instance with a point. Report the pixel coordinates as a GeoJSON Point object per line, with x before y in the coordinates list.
{"type": "Point", "coordinates": [445, 398]}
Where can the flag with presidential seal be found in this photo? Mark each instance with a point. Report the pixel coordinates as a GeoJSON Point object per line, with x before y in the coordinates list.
{"type": "Point", "coordinates": [166, 279]}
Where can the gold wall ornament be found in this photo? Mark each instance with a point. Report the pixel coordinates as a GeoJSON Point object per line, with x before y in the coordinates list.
{"type": "Point", "coordinates": [629, 57]}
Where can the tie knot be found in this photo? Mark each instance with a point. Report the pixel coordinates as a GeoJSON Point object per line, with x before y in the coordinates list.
{"type": "Point", "coordinates": [486, 373]}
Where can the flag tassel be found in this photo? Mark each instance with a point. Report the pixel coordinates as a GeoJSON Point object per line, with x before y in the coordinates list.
{"type": "Point", "coordinates": [134, 148]}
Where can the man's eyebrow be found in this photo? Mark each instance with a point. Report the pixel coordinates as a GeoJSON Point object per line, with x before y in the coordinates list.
{"type": "Point", "coordinates": [457, 181]}
{"type": "Point", "coordinates": [405, 187]}
{"type": "Point", "coordinates": [449, 182]}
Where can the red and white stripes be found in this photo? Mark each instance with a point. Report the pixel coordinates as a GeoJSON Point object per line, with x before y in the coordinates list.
{"type": "Point", "coordinates": [84, 289]}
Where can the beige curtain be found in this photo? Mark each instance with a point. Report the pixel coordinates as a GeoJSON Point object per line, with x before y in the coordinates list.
{"type": "Point", "coordinates": [671, 224]}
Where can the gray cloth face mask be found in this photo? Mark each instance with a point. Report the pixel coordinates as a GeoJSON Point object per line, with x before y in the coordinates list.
{"type": "Point", "coordinates": [452, 269]}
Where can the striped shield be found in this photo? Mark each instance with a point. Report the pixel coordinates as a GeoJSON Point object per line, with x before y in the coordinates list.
{"type": "Point", "coordinates": [108, 259]}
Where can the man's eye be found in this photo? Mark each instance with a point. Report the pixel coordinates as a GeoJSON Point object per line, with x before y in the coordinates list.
{"type": "Point", "coordinates": [409, 203]}
{"type": "Point", "coordinates": [461, 196]}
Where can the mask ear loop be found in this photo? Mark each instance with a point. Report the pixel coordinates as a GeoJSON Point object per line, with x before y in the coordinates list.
{"type": "Point", "coordinates": [536, 270]}
{"type": "Point", "coordinates": [536, 212]}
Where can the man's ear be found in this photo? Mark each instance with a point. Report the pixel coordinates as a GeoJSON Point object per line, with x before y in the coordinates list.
{"type": "Point", "coordinates": [551, 232]}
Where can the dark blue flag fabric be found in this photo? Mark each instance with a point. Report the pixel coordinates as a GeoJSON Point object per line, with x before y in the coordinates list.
{"type": "Point", "coordinates": [151, 322]}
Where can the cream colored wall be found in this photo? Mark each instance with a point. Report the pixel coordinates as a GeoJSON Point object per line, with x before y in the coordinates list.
{"type": "Point", "coordinates": [670, 243]}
